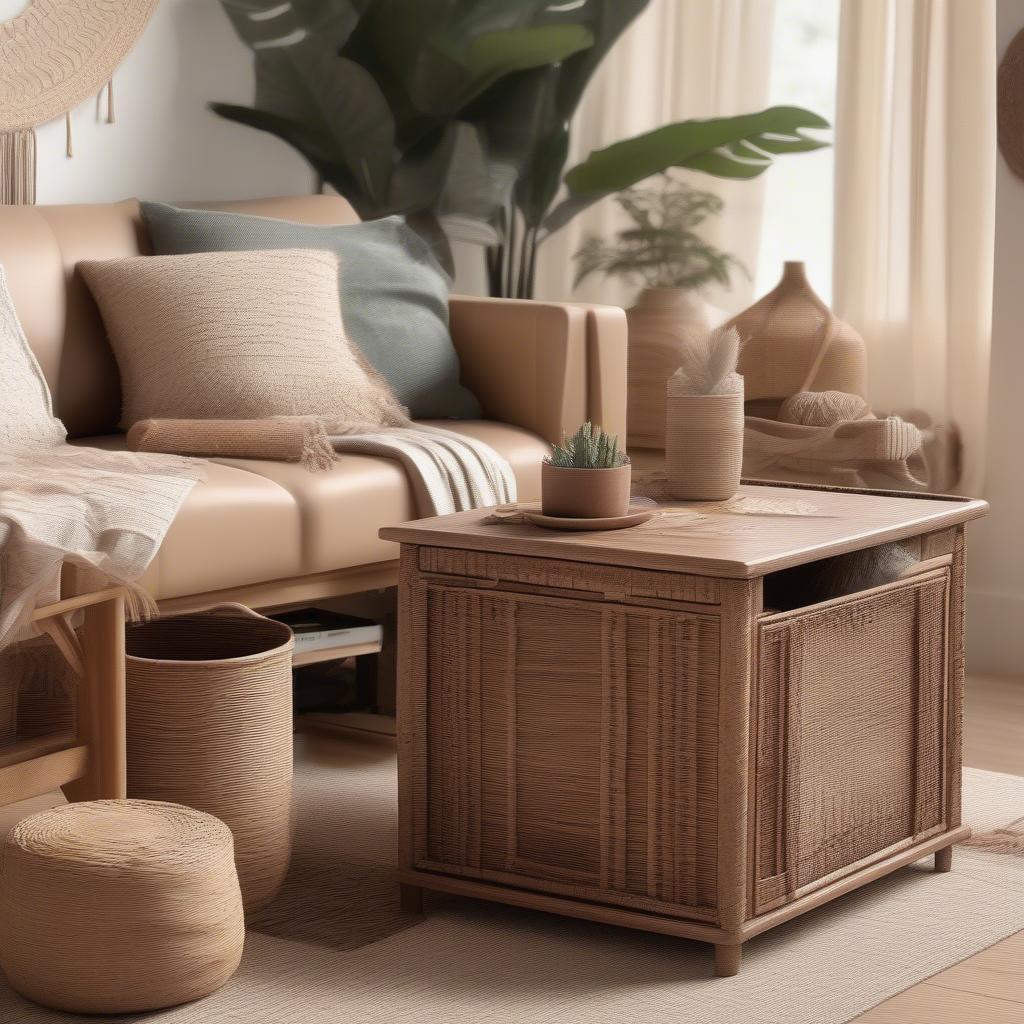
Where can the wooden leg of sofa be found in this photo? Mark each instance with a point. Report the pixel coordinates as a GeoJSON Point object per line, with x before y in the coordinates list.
{"type": "Point", "coordinates": [727, 960]}
{"type": "Point", "coordinates": [410, 897]}
{"type": "Point", "coordinates": [944, 859]}
{"type": "Point", "coordinates": [101, 708]}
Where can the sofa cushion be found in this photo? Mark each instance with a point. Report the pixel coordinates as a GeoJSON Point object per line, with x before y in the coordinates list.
{"type": "Point", "coordinates": [252, 521]}
{"type": "Point", "coordinates": [343, 508]}
{"type": "Point", "coordinates": [239, 335]}
{"type": "Point", "coordinates": [394, 296]}
{"type": "Point", "coordinates": [205, 549]}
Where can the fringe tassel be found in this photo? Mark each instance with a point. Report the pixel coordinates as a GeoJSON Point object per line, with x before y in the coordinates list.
{"type": "Point", "coordinates": [69, 149]}
{"type": "Point", "coordinates": [18, 167]}
{"type": "Point", "coordinates": [1008, 839]}
{"type": "Point", "coordinates": [110, 101]}
{"type": "Point", "coordinates": [317, 452]}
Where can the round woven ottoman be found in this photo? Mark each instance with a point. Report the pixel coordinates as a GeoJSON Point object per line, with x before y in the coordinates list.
{"type": "Point", "coordinates": [119, 906]}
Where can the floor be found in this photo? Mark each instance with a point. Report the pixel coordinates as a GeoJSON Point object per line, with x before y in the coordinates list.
{"type": "Point", "coordinates": [987, 988]}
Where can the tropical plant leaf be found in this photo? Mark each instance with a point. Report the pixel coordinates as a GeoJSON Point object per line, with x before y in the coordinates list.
{"type": "Point", "coordinates": [266, 24]}
{"type": "Point", "coordinates": [493, 54]}
{"type": "Point", "coordinates": [337, 99]}
{"type": "Point", "coordinates": [449, 54]}
{"type": "Point", "coordinates": [606, 20]}
{"type": "Point", "coordinates": [315, 148]}
{"type": "Point", "coordinates": [702, 145]}
{"type": "Point", "coordinates": [674, 145]}
{"type": "Point", "coordinates": [539, 181]}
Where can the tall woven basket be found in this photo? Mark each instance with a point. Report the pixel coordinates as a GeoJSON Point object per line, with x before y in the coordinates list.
{"type": "Point", "coordinates": [209, 711]}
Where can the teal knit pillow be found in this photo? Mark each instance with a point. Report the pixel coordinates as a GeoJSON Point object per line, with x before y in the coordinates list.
{"type": "Point", "coordinates": [394, 295]}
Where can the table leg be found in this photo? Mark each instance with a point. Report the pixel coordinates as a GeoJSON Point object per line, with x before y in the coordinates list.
{"type": "Point", "coordinates": [410, 897]}
{"type": "Point", "coordinates": [944, 859]}
{"type": "Point", "coordinates": [727, 960]}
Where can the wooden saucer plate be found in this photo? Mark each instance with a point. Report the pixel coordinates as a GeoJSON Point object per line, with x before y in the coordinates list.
{"type": "Point", "coordinates": [634, 517]}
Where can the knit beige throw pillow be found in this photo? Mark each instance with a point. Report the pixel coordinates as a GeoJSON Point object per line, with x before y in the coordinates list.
{"type": "Point", "coordinates": [236, 335]}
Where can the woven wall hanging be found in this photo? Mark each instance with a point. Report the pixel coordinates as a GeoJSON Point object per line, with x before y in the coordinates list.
{"type": "Point", "coordinates": [1010, 105]}
{"type": "Point", "coordinates": [53, 55]}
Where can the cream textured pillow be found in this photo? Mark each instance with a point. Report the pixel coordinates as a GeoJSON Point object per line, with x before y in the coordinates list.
{"type": "Point", "coordinates": [235, 335]}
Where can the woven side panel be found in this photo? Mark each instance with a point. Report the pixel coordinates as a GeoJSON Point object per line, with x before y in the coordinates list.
{"type": "Point", "coordinates": [573, 746]}
{"type": "Point", "coordinates": [455, 729]}
{"type": "Point", "coordinates": [851, 734]}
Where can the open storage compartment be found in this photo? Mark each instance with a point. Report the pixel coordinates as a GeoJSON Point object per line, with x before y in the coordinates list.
{"type": "Point", "coordinates": [851, 724]}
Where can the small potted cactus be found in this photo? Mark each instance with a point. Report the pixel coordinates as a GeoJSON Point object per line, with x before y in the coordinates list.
{"type": "Point", "coordinates": [587, 476]}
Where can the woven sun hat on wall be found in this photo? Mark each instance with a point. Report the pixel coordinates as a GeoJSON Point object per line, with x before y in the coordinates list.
{"type": "Point", "coordinates": [209, 724]}
{"type": "Point", "coordinates": [54, 54]}
{"type": "Point", "coordinates": [119, 906]}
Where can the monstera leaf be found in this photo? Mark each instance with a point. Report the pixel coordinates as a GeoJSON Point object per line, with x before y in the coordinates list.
{"type": "Point", "coordinates": [727, 147]}
{"type": "Point", "coordinates": [449, 53]}
{"type": "Point", "coordinates": [265, 24]}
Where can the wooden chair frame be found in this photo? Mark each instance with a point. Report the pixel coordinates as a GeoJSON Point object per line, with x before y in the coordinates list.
{"type": "Point", "coordinates": [88, 763]}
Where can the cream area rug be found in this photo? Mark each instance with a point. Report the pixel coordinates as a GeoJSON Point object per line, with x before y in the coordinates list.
{"type": "Point", "coordinates": [335, 946]}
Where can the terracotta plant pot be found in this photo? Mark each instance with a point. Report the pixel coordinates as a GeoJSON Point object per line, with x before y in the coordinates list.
{"type": "Point", "coordinates": [704, 446]}
{"type": "Point", "coordinates": [661, 323]}
{"type": "Point", "coordinates": [585, 493]}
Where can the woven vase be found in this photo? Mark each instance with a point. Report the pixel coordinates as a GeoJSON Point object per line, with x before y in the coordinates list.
{"type": "Point", "coordinates": [793, 342]}
{"type": "Point", "coordinates": [704, 446]}
{"type": "Point", "coordinates": [662, 321]}
{"type": "Point", "coordinates": [209, 708]}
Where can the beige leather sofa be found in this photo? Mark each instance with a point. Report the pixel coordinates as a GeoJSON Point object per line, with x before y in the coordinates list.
{"type": "Point", "coordinates": [269, 533]}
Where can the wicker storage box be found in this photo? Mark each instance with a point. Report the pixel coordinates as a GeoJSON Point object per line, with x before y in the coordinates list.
{"type": "Point", "coordinates": [209, 717]}
{"type": "Point", "coordinates": [578, 749]}
{"type": "Point", "coordinates": [586, 733]}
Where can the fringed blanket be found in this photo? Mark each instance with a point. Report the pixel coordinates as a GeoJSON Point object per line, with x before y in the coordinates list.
{"type": "Point", "coordinates": [448, 472]}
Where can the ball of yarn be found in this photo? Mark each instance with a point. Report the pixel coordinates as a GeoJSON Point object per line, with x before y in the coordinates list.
{"type": "Point", "coordinates": [823, 408]}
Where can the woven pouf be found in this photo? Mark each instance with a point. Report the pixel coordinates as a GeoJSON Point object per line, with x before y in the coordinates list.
{"type": "Point", "coordinates": [119, 906]}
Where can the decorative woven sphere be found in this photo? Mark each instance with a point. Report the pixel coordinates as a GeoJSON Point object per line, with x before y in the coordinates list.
{"type": "Point", "coordinates": [823, 408]}
{"type": "Point", "coordinates": [119, 906]}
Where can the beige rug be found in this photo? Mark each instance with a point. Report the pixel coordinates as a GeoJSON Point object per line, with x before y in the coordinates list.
{"type": "Point", "coordinates": [335, 946]}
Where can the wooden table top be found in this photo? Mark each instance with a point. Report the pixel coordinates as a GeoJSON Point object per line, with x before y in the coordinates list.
{"type": "Point", "coordinates": [761, 530]}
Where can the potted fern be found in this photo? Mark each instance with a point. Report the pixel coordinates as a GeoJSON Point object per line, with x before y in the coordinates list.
{"type": "Point", "coordinates": [663, 251]}
{"type": "Point", "coordinates": [587, 476]}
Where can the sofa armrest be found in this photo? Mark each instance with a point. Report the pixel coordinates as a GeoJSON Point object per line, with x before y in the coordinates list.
{"type": "Point", "coordinates": [543, 366]}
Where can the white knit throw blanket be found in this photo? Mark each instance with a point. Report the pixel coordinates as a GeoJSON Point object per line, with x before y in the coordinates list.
{"type": "Point", "coordinates": [106, 511]}
{"type": "Point", "coordinates": [448, 472]}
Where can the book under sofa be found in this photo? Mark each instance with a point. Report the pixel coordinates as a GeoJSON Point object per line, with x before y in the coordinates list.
{"type": "Point", "coordinates": [270, 534]}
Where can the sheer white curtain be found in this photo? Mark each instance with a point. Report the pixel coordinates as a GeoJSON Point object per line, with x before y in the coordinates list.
{"type": "Point", "coordinates": [680, 59]}
{"type": "Point", "coordinates": [915, 205]}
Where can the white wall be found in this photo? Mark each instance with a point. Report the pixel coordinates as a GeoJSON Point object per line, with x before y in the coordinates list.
{"type": "Point", "coordinates": [996, 544]}
{"type": "Point", "coordinates": [165, 144]}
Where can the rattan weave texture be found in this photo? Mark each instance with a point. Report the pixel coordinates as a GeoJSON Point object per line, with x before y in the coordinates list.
{"type": "Point", "coordinates": [851, 734]}
{"type": "Point", "coordinates": [210, 726]}
{"type": "Point", "coordinates": [119, 906]}
{"type": "Point", "coordinates": [704, 446]}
